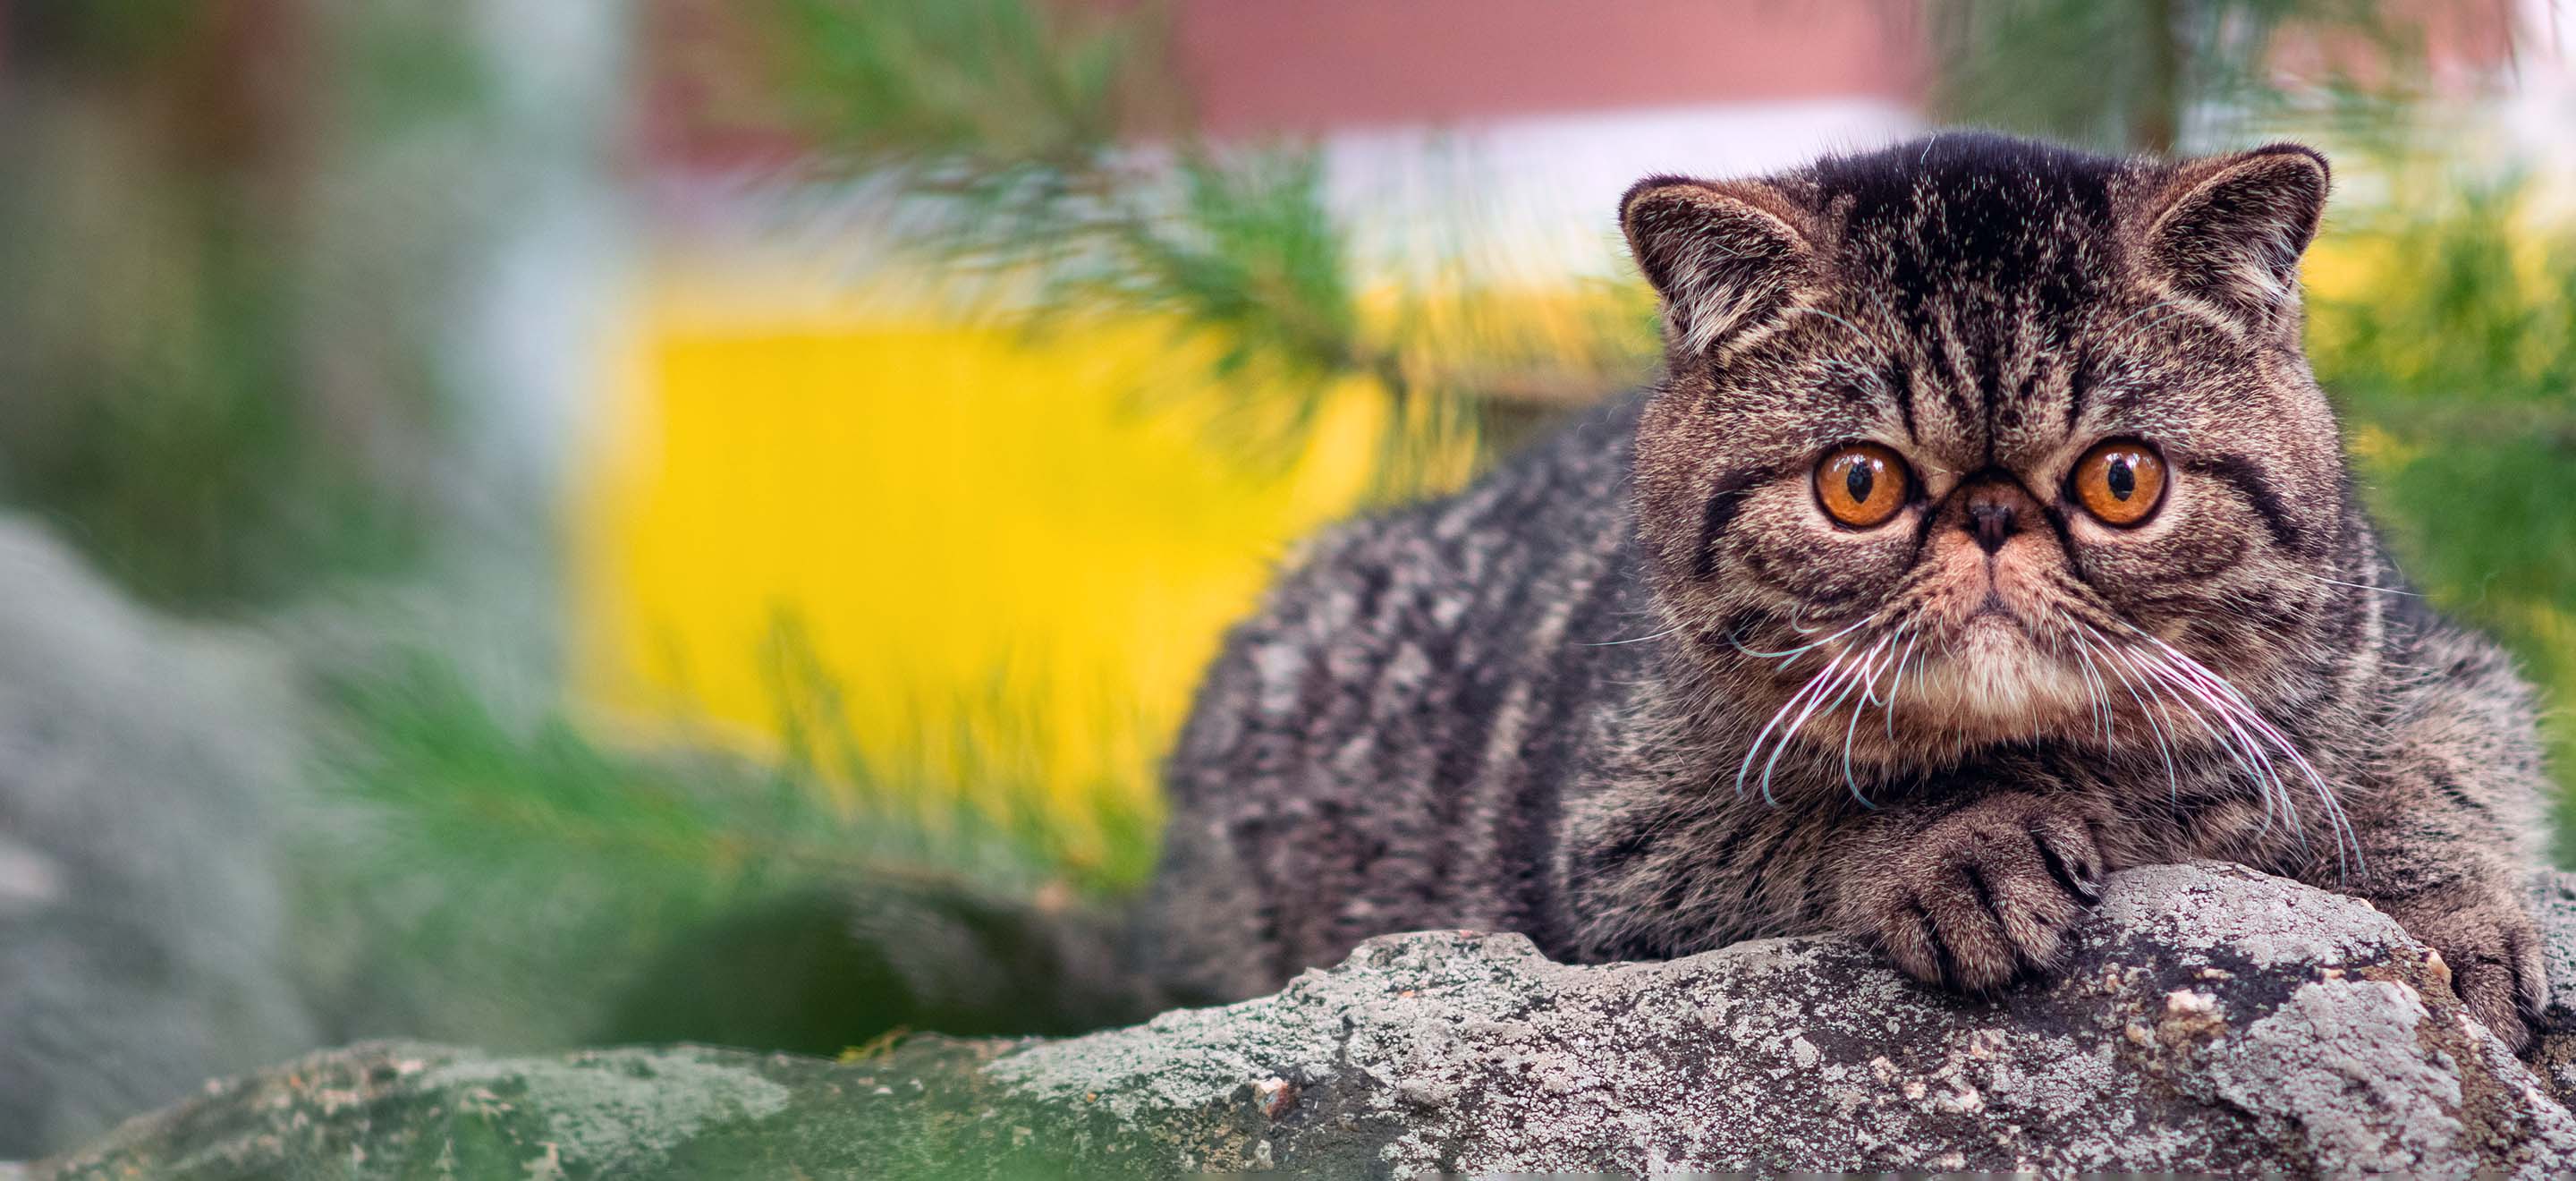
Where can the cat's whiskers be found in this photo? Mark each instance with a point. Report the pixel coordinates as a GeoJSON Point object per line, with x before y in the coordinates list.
{"type": "Point", "coordinates": [1834, 679]}
{"type": "Point", "coordinates": [2233, 710]}
{"type": "Point", "coordinates": [1899, 683]}
{"type": "Point", "coordinates": [1745, 769]}
{"type": "Point", "coordinates": [2096, 690]}
{"type": "Point", "coordinates": [2346, 844]}
{"type": "Point", "coordinates": [1635, 640]}
{"type": "Point", "coordinates": [1869, 692]}
{"type": "Point", "coordinates": [2219, 717]}
{"type": "Point", "coordinates": [1846, 682]}
{"type": "Point", "coordinates": [2279, 806]}
{"type": "Point", "coordinates": [2385, 590]}
{"type": "Point", "coordinates": [1896, 678]}
{"type": "Point", "coordinates": [2092, 643]}
{"type": "Point", "coordinates": [2113, 659]}
{"type": "Point", "coordinates": [1793, 653]}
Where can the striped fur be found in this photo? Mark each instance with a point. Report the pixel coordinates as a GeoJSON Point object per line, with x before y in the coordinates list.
{"type": "Point", "coordinates": [1636, 695]}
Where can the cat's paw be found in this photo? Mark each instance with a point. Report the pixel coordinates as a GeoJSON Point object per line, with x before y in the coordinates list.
{"type": "Point", "coordinates": [2493, 951]}
{"type": "Point", "coordinates": [1981, 896]}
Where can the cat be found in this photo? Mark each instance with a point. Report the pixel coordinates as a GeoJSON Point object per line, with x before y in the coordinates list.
{"type": "Point", "coordinates": [1985, 533]}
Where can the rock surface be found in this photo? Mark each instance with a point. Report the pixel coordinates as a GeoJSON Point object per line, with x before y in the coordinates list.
{"type": "Point", "coordinates": [144, 927]}
{"type": "Point", "coordinates": [2211, 1020]}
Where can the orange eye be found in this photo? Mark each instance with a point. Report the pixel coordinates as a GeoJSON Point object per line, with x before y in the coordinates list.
{"type": "Point", "coordinates": [1861, 484]}
{"type": "Point", "coordinates": [2120, 482]}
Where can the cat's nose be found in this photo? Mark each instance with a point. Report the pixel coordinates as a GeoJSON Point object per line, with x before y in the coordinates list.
{"type": "Point", "coordinates": [1994, 515]}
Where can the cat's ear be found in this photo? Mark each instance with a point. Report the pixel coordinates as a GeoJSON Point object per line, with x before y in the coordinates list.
{"type": "Point", "coordinates": [1724, 255]}
{"type": "Point", "coordinates": [2230, 229]}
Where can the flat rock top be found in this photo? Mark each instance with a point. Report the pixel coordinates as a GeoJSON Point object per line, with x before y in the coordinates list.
{"type": "Point", "coordinates": [2211, 1019]}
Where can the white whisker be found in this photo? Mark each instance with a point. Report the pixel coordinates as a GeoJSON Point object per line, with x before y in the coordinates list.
{"type": "Point", "coordinates": [1899, 683]}
{"type": "Point", "coordinates": [1801, 649]}
{"type": "Point", "coordinates": [2095, 688]}
{"type": "Point", "coordinates": [2114, 659]}
{"type": "Point", "coordinates": [2385, 590]}
{"type": "Point", "coordinates": [1638, 640]}
{"type": "Point", "coordinates": [2244, 747]}
{"type": "Point", "coordinates": [2236, 708]}
{"type": "Point", "coordinates": [1765, 733]}
{"type": "Point", "coordinates": [1868, 691]}
{"type": "Point", "coordinates": [1781, 746]}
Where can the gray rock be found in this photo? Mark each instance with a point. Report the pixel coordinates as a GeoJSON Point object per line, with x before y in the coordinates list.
{"type": "Point", "coordinates": [143, 924]}
{"type": "Point", "coordinates": [2211, 1019]}
{"type": "Point", "coordinates": [2554, 896]}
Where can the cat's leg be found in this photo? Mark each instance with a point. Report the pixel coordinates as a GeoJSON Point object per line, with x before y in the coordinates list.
{"type": "Point", "coordinates": [2449, 823]}
{"type": "Point", "coordinates": [2432, 858]}
{"type": "Point", "coordinates": [1972, 894]}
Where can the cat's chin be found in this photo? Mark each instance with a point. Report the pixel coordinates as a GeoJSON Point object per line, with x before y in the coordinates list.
{"type": "Point", "coordinates": [1993, 684]}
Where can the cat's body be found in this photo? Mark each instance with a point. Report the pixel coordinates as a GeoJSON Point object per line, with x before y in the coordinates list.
{"type": "Point", "coordinates": [1637, 694]}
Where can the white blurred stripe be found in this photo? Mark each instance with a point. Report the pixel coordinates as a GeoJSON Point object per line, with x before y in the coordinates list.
{"type": "Point", "coordinates": [1543, 192]}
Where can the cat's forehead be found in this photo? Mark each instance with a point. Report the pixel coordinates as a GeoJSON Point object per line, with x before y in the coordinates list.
{"type": "Point", "coordinates": [1972, 219]}
{"type": "Point", "coordinates": [1980, 267]}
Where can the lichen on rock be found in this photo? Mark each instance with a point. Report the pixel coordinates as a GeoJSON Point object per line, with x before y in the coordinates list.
{"type": "Point", "coordinates": [2209, 1019]}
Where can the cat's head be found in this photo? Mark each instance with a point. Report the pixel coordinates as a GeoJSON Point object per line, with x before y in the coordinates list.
{"type": "Point", "coordinates": [2014, 433]}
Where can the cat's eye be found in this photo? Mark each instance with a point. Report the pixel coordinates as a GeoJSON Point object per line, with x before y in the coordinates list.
{"type": "Point", "coordinates": [1861, 484]}
{"type": "Point", "coordinates": [2120, 482]}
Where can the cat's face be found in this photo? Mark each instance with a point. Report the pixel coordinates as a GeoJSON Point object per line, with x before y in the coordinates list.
{"type": "Point", "coordinates": [1995, 437]}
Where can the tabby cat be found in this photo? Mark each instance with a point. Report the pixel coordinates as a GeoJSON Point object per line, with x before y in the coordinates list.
{"type": "Point", "coordinates": [1986, 532]}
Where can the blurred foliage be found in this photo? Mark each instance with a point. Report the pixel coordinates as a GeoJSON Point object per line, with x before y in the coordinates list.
{"type": "Point", "coordinates": [2445, 323]}
{"type": "Point", "coordinates": [2153, 75]}
{"type": "Point", "coordinates": [1008, 130]}
{"type": "Point", "coordinates": [1008, 86]}
{"type": "Point", "coordinates": [515, 882]}
{"type": "Point", "coordinates": [220, 379]}
{"type": "Point", "coordinates": [2467, 319]}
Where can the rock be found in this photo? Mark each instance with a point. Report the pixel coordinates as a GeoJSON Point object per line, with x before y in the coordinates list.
{"type": "Point", "coordinates": [2554, 897]}
{"type": "Point", "coordinates": [143, 918]}
{"type": "Point", "coordinates": [2211, 1019]}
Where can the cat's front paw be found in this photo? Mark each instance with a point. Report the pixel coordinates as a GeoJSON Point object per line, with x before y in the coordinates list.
{"type": "Point", "coordinates": [2493, 950]}
{"type": "Point", "coordinates": [1981, 896]}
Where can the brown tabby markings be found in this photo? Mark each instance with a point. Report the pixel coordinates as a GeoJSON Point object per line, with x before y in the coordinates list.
{"type": "Point", "coordinates": [1637, 695]}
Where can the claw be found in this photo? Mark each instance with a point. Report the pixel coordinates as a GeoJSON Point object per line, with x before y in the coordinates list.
{"type": "Point", "coordinates": [1982, 897]}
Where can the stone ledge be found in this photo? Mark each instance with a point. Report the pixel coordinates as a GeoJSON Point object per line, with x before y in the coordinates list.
{"type": "Point", "coordinates": [2211, 1019]}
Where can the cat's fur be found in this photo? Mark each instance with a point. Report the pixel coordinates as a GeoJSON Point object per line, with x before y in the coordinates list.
{"type": "Point", "coordinates": [1541, 705]}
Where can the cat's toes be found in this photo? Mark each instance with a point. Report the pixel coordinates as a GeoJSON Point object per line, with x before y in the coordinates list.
{"type": "Point", "coordinates": [1984, 895]}
{"type": "Point", "coordinates": [2493, 951]}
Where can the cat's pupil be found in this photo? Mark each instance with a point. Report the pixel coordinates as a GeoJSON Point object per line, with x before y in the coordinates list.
{"type": "Point", "coordinates": [2122, 479]}
{"type": "Point", "coordinates": [1857, 480]}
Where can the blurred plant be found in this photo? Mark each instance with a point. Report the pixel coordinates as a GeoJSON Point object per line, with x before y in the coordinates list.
{"type": "Point", "coordinates": [1005, 130]}
{"type": "Point", "coordinates": [216, 325]}
{"type": "Point", "coordinates": [2469, 311]}
{"type": "Point", "coordinates": [998, 83]}
{"type": "Point", "coordinates": [2157, 75]}
{"type": "Point", "coordinates": [2445, 321]}
{"type": "Point", "coordinates": [520, 886]}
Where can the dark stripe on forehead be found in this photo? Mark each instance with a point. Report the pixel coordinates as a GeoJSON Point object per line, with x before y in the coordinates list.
{"type": "Point", "coordinates": [1900, 378]}
{"type": "Point", "coordinates": [2078, 385]}
{"type": "Point", "coordinates": [1990, 382]}
{"type": "Point", "coordinates": [2239, 471]}
{"type": "Point", "coordinates": [1977, 247]}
